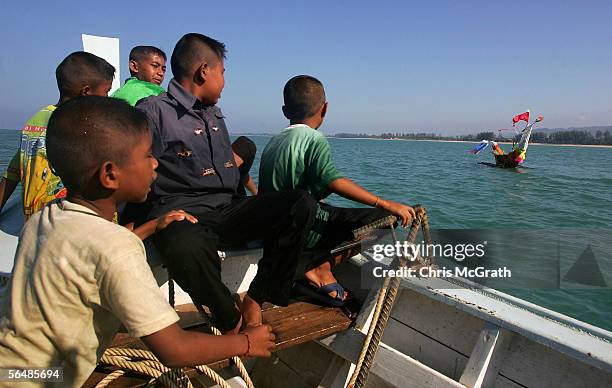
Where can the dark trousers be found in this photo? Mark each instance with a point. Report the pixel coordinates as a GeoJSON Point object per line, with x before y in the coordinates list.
{"type": "Point", "coordinates": [280, 219]}
{"type": "Point", "coordinates": [338, 228]}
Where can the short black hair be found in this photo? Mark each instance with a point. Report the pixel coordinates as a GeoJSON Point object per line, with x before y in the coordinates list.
{"type": "Point", "coordinates": [138, 53]}
{"type": "Point", "coordinates": [193, 48]}
{"type": "Point", "coordinates": [80, 69]}
{"type": "Point", "coordinates": [86, 131]}
{"type": "Point", "coordinates": [303, 95]}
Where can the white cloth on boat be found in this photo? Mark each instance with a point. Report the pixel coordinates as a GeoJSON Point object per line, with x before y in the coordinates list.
{"type": "Point", "coordinates": [524, 141]}
{"type": "Point", "coordinates": [76, 278]}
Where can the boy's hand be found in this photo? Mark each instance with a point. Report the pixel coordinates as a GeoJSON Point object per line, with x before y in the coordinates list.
{"type": "Point", "coordinates": [174, 215]}
{"type": "Point", "coordinates": [404, 212]}
{"type": "Point", "coordinates": [261, 341]}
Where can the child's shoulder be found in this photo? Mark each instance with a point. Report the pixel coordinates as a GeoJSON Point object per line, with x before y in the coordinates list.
{"type": "Point", "coordinates": [136, 84]}
{"type": "Point", "coordinates": [134, 90]}
{"type": "Point", "coordinates": [152, 103]}
{"type": "Point", "coordinates": [40, 119]}
{"type": "Point", "coordinates": [302, 131]}
{"type": "Point", "coordinates": [296, 137]}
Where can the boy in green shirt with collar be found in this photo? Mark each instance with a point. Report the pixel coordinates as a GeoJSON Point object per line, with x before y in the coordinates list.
{"type": "Point", "coordinates": [299, 157]}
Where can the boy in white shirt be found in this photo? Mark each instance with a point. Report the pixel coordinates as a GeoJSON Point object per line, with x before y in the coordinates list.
{"type": "Point", "coordinates": [78, 276]}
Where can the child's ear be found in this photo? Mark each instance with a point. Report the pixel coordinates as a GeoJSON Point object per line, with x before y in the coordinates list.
{"type": "Point", "coordinates": [133, 66]}
{"type": "Point", "coordinates": [204, 68]}
{"type": "Point", "coordinates": [200, 73]}
{"type": "Point", "coordinates": [286, 112]}
{"type": "Point", "coordinates": [109, 176]}
{"type": "Point", "coordinates": [85, 90]}
{"type": "Point", "coordinates": [324, 110]}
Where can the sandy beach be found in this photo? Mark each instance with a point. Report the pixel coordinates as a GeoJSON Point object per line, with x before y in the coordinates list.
{"type": "Point", "coordinates": [474, 142]}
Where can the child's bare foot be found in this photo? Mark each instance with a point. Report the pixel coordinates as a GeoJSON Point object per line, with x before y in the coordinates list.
{"type": "Point", "coordinates": [321, 276]}
{"type": "Point", "coordinates": [251, 312]}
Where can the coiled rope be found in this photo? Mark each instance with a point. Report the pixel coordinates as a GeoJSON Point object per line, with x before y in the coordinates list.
{"type": "Point", "coordinates": [385, 302]}
{"type": "Point", "coordinates": [146, 363]}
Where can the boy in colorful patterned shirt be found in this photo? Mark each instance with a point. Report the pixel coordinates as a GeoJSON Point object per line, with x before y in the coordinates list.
{"type": "Point", "coordinates": [79, 74]}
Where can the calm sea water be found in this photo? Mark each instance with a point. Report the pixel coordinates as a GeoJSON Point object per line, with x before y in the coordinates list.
{"type": "Point", "coordinates": [565, 189]}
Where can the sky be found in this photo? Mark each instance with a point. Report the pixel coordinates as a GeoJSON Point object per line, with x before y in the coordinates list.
{"type": "Point", "coordinates": [449, 67]}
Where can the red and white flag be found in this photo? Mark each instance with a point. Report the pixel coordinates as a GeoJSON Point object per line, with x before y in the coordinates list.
{"type": "Point", "coordinates": [521, 117]}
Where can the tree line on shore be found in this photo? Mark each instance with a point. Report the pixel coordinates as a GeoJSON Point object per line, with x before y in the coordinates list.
{"type": "Point", "coordinates": [560, 137]}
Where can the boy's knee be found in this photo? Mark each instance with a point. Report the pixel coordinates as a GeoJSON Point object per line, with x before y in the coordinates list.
{"type": "Point", "coordinates": [193, 243]}
{"type": "Point", "coordinates": [190, 250]}
{"type": "Point", "coordinates": [305, 202]}
{"type": "Point", "coordinates": [303, 196]}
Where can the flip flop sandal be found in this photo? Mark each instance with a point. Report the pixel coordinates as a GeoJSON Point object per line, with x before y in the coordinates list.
{"type": "Point", "coordinates": [321, 294]}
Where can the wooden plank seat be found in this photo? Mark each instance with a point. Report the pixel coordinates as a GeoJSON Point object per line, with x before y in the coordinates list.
{"type": "Point", "coordinates": [295, 324]}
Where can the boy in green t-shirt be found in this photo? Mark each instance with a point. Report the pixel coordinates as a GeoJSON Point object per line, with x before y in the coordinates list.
{"type": "Point", "coordinates": [147, 70]}
{"type": "Point", "coordinates": [299, 157]}
{"type": "Point", "coordinates": [79, 74]}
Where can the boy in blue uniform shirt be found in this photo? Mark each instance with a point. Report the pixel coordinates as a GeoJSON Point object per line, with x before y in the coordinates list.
{"type": "Point", "coordinates": [300, 158]}
{"type": "Point", "coordinates": [197, 172]}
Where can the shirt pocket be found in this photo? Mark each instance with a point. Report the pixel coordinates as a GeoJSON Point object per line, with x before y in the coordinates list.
{"type": "Point", "coordinates": [180, 161]}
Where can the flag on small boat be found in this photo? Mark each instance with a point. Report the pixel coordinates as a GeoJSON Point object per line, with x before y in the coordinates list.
{"type": "Point", "coordinates": [521, 117]}
{"type": "Point", "coordinates": [479, 147]}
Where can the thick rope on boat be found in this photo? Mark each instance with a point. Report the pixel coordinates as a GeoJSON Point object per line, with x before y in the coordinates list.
{"type": "Point", "coordinates": [384, 304]}
{"type": "Point", "coordinates": [134, 353]}
{"type": "Point", "coordinates": [145, 362]}
{"type": "Point", "coordinates": [110, 378]}
{"type": "Point", "coordinates": [147, 358]}
{"type": "Point", "coordinates": [238, 363]}
{"type": "Point", "coordinates": [212, 375]}
{"type": "Point", "coordinates": [244, 374]}
{"type": "Point", "coordinates": [360, 233]}
{"type": "Point", "coordinates": [169, 379]}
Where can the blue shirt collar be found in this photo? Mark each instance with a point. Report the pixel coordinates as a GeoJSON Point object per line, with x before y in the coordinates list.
{"type": "Point", "coordinates": [182, 96]}
{"type": "Point", "coordinates": [188, 100]}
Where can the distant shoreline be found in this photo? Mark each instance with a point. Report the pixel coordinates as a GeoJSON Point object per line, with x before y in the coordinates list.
{"type": "Point", "coordinates": [474, 142]}
{"type": "Point", "coordinates": [434, 140]}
